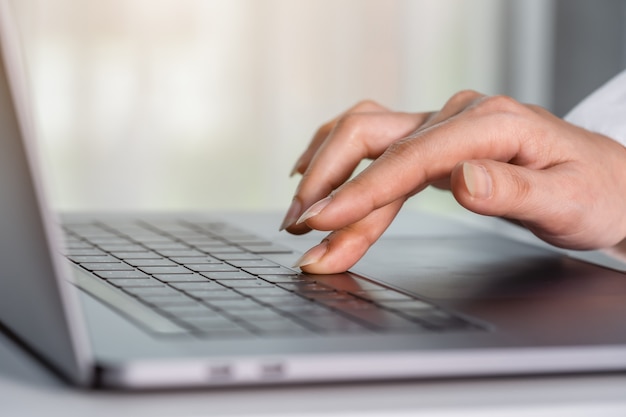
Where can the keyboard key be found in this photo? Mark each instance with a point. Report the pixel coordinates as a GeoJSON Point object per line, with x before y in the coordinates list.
{"type": "Point", "coordinates": [167, 245]}
{"type": "Point", "coordinates": [191, 286]}
{"type": "Point", "coordinates": [216, 251]}
{"type": "Point", "coordinates": [271, 248]}
{"type": "Point", "coordinates": [165, 270]}
{"type": "Point", "coordinates": [201, 240]}
{"type": "Point", "coordinates": [236, 304]}
{"type": "Point", "coordinates": [206, 259]}
{"type": "Point", "coordinates": [262, 291]}
{"type": "Point", "coordinates": [304, 308]}
{"type": "Point", "coordinates": [288, 278]}
{"type": "Point", "coordinates": [214, 267]}
{"type": "Point", "coordinates": [238, 256]}
{"type": "Point", "coordinates": [179, 253]}
{"type": "Point", "coordinates": [228, 275]}
{"type": "Point", "coordinates": [247, 239]}
{"type": "Point", "coordinates": [150, 262]}
{"type": "Point", "coordinates": [93, 259]}
{"type": "Point", "coordinates": [135, 282]}
{"type": "Point", "coordinates": [145, 237]}
{"type": "Point", "coordinates": [154, 290]}
{"type": "Point", "coordinates": [83, 252]}
{"type": "Point", "coordinates": [180, 277]}
{"type": "Point", "coordinates": [107, 266]}
{"type": "Point", "coordinates": [281, 270]}
{"type": "Point", "coordinates": [110, 240]}
{"type": "Point", "coordinates": [136, 255]}
{"type": "Point", "coordinates": [209, 244]}
{"type": "Point", "coordinates": [281, 299]}
{"type": "Point", "coordinates": [246, 283]}
{"type": "Point", "coordinates": [120, 274]}
{"type": "Point", "coordinates": [121, 248]}
{"type": "Point", "coordinates": [208, 295]}
{"type": "Point", "coordinates": [255, 315]}
{"type": "Point", "coordinates": [254, 263]}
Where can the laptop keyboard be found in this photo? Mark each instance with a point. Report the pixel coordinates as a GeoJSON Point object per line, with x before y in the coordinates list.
{"type": "Point", "coordinates": [213, 280]}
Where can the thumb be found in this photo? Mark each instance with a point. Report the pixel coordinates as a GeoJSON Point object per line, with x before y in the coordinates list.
{"type": "Point", "coordinates": [556, 203]}
{"type": "Point", "coordinates": [500, 189]}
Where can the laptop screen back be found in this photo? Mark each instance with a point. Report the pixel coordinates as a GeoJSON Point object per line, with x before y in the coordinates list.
{"type": "Point", "coordinates": [33, 302]}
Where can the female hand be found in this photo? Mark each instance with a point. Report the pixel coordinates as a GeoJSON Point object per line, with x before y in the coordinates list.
{"type": "Point", "coordinates": [497, 156]}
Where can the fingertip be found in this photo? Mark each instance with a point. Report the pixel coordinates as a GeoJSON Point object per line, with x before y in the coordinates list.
{"type": "Point", "coordinates": [312, 256]}
{"type": "Point", "coordinates": [337, 253]}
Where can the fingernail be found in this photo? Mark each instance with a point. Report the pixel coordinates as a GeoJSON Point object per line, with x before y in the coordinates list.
{"type": "Point", "coordinates": [314, 210]}
{"type": "Point", "coordinates": [477, 180]}
{"type": "Point", "coordinates": [313, 255]}
{"type": "Point", "coordinates": [292, 214]}
{"type": "Point", "coordinates": [294, 171]}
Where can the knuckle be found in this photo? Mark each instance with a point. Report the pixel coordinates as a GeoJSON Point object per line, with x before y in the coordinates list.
{"type": "Point", "coordinates": [499, 104]}
{"type": "Point", "coordinates": [464, 96]}
{"type": "Point", "coordinates": [402, 149]}
{"type": "Point", "coordinates": [348, 126]}
{"type": "Point", "coordinates": [367, 105]}
{"type": "Point", "coordinates": [521, 186]}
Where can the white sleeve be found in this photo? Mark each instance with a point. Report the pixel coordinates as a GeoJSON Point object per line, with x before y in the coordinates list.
{"type": "Point", "coordinates": [604, 111]}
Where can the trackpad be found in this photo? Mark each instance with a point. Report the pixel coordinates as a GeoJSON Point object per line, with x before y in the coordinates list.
{"type": "Point", "coordinates": [483, 266]}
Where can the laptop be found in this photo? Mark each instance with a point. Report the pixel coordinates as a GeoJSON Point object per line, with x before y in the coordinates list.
{"type": "Point", "coordinates": [158, 300]}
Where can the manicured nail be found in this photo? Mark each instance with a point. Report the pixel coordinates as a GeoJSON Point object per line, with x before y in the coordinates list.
{"type": "Point", "coordinates": [296, 167]}
{"type": "Point", "coordinates": [292, 214]}
{"type": "Point", "coordinates": [313, 255]}
{"type": "Point", "coordinates": [477, 180]}
{"type": "Point", "coordinates": [314, 210]}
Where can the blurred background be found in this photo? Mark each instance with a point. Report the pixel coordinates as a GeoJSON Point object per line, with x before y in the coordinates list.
{"type": "Point", "coordinates": [206, 104]}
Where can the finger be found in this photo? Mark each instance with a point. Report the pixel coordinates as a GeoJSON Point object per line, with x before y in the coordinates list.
{"type": "Point", "coordinates": [501, 189]}
{"type": "Point", "coordinates": [456, 104]}
{"type": "Point", "coordinates": [322, 133]}
{"type": "Point", "coordinates": [496, 188]}
{"type": "Point", "coordinates": [344, 247]}
{"type": "Point", "coordinates": [356, 136]}
{"type": "Point", "coordinates": [498, 128]}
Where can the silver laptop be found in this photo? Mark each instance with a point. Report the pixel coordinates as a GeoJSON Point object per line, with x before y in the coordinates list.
{"type": "Point", "coordinates": [163, 300]}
